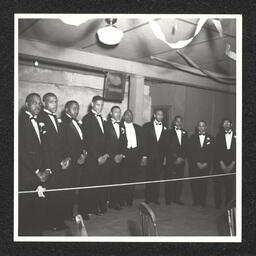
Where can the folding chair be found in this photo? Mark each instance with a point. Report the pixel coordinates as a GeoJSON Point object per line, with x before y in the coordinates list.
{"type": "Point", "coordinates": [231, 210]}
{"type": "Point", "coordinates": [148, 220]}
{"type": "Point", "coordinates": [81, 230]}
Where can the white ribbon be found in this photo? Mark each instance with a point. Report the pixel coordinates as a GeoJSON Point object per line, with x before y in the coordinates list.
{"type": "Point", "coordinates": [40, 191]}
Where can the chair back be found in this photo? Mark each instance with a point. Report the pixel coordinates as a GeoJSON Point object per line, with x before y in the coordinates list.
{"type": "Point", "coordinates": [81, 226]}
{"type": "Point", "coordinates": [148, 220]}
{"type": "Point", "coordinates": [231, 210]}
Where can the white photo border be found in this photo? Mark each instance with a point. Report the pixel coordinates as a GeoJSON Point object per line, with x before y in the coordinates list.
{"type": "Point", "coordinates": [201, 239]}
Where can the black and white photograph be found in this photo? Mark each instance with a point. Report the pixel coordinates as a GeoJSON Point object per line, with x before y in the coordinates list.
{"type": "Point", "coordinates": [128, 127]}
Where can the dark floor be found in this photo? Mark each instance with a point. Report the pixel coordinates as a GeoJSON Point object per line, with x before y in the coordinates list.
{"type": "Point", "coordinates": [173, 220]}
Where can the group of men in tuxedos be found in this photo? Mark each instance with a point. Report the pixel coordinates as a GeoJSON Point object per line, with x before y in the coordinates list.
{"type": "Point", "coordinates": [64, 153]}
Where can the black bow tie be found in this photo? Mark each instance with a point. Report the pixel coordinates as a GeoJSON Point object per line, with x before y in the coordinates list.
{"type": "Point", "coordinates": [201, 133]}
{"type": "Point", "coordinates": [176, 128]}
{"type": "Point", "coordinates": [158, 123]}
{"type": "Point", "coordinates": [228, 132]}
{"type": "Point", "coordinates": [116, 122]}
{"type": "Point", "coordinates": [97, 115]}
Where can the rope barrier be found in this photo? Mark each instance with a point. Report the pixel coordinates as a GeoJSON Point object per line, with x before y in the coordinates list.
{"type": "Point", "coordinates": [127, 184]}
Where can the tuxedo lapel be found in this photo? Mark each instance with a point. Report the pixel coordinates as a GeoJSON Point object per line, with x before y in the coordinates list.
{"type": "Point", "coordinates": [96, 122]}
{"type": "Point", "coordinates": [153, 132]}
{"type": "Point", "coordinates": [74, 128]}
{"type": "Point", "coordinates": [33, 131]}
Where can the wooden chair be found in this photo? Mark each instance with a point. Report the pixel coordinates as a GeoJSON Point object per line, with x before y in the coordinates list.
{"type": "Point", "coordinates": [148, 220]}
{"type": "Point", "coordinates": [231, 210]}
{"type": "Point", "coordinates": [81, 230]}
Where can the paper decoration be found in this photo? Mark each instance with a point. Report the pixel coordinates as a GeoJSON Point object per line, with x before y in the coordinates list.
{"type": "Point", "coordinates": [183, 43]}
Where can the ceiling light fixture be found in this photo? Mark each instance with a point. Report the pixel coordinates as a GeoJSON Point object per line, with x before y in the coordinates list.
{"type": "Point", "coordinates": [110, 34]}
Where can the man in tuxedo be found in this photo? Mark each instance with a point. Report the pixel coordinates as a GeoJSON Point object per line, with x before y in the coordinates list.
{"type": "Point", "coordinates": [114, 148]}
{"type": "Point", "coordinates": [94, 134]}
{"type": "Point", "coordinates": [76, 149]}
{"type": "Point", "coordinates": [57, 159]}
{"type": "Point", "coordinates": [200, 161]}
{"type": "Point", "coordinates": [32, 171]}
{"type": "Point", "coordinates": [225, 162]}
{"type": "Point", "coordinates": [177, 141]}
{"type": "Point", "coordinates": [133, 151]}
{"type": "Point", "coordinates": [154, 134]}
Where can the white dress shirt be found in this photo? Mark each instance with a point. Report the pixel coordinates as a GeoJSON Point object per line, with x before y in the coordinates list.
{"type": "Point", "coordinates": [178, 132]}
{"type": "Point", "coordinates": [158, 129]}
{"type": "Point", "coordinates": [76, 126]}
{"type": "Point", "coordinates": [50, 114]}
{"type": "Point", "coordinates": [201, 138]}
{"type": "Point", "coordinates": [130, 135]}
{"type": "Point", "coordinates": [116, 127]}
{"type": "Point", "coordinates": [228, 137]}
{"type": "Point", "coordinates": [99, 120]}
{"type": "Point", "coordinates": [35, 125]}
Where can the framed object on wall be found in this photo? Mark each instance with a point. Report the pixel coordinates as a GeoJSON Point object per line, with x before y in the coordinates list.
{"type": "Point", "coordinates": [114, 87]}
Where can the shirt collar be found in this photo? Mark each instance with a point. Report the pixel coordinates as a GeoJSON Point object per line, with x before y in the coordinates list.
{"type": "Point", "coordinates": [114, 121]}
{"type": "Point", "coordinates": [157, 123]}
{"type": "Point", "coordinates": [30, 114]}
{"type": "Point", "coordinates": [68, 115]}
{"type": "Point", "coordinates": [94, 112]}
{"type": "Point", "coordinates": [48, 112]}
{"type": "Point", "coordinates": [128, 124]}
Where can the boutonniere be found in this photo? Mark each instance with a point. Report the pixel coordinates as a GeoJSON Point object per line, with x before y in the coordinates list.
{"type": "Point", "coordinates": [165, 128]}
{"type": "Point", "coordinates": [234, 136]}
{"type": "Point", "coordinates": [41, 125]}
{"type": "Point", "coordinates": [183, 132]}
{"type": "Point", "coordinates": [104, 119]}
{"type": "Point", "coordinates": [122, 130]}
{"type": "Point", "coordinates": [80, 122]}
{"type": "Point", "coordinates": [59, 120]}
{"type": "Point", "coordinates": [208, 138]}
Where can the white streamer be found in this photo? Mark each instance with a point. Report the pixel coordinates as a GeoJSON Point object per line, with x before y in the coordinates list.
{"type": "Point", "coordinates": [182, 43]}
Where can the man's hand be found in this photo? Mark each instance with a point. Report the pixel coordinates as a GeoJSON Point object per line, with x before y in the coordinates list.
{"type": "Point", "coordinates": [179, 160]}
{"type": "Point", "coordinates": [201, 165]}
{"type": "Point", "coordinates": [118, 158]}
{"type": "Point", "coordinates": [82, 158]}
{"type": "Point", "coordinates": [65, 163]}
{"type": "Point", "coordinates": [102, 159]}
{"type": "Point", "coordinates": [223, 167]}
{"type": "Point", "coordinates": [144, 161]}
{"type": "Point", "coordinates": [43, 175]}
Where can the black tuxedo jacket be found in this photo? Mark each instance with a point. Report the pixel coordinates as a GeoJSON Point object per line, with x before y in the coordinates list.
{"type": "Point", "coordinates": [114, 145]}
{"type": "Point", "coordinates": [201, 154]}
{"type": "Point", "coordinates": [30, 154]}
{"type": "Point", "coordinates": [139, 137]}
{"type": "Point", "coordinates": [73, 143]}
{"type": "Point", "coordinates": [94, 137]}
{"type": "Point", "coordinates": [174, 149]}
{"type": "Point", "coordinates": [152, 148]}
{"type": "Point", "coordinates": [221, 151]}
{"type": "Point", "coordinates": [53, 144]}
